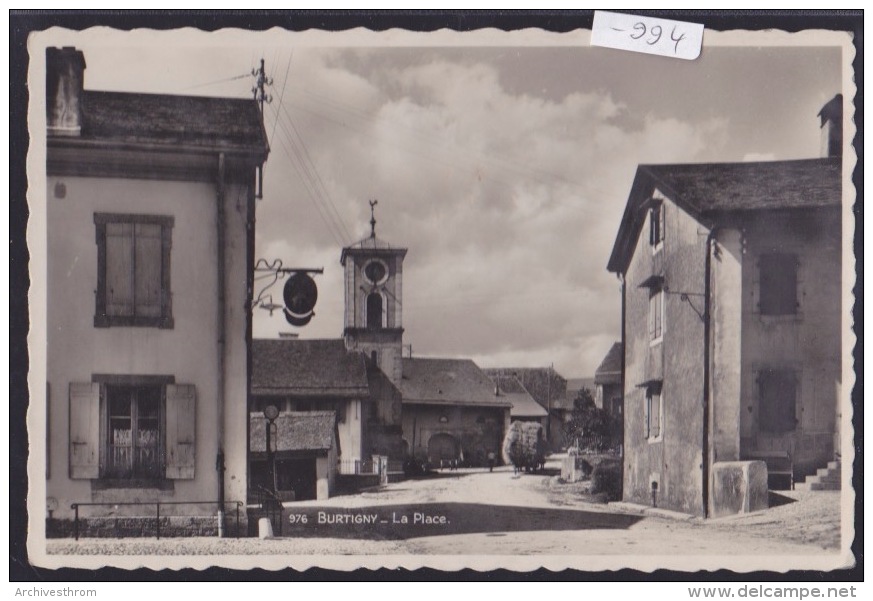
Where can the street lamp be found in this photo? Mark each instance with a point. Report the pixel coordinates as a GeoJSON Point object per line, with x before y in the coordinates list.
{"type": "Point", "coordinates": [271, 412]}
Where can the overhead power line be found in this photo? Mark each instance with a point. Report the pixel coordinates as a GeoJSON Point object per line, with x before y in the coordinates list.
{"type": "Point", "coordinates": [217, 81]}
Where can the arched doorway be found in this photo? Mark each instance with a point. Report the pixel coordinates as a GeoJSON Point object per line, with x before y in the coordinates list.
{"type": "Point", "coordinates": [442, 447]}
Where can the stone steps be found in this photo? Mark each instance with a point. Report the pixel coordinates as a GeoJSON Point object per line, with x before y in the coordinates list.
{"type": "Point", "coordinates": [826, 478]}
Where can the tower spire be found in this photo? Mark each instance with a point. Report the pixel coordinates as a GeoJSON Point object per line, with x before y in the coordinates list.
{"type": "Point", "coordinates": [373, 204]}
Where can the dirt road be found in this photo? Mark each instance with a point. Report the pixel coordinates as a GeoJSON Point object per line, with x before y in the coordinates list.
{"type": "Point", "coordinates": [476, 512]}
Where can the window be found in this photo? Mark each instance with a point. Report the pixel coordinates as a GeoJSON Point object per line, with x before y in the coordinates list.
{"type": "Point", "coordinates": [375, 310]}
{"type": "Point", "coordinates": [656, 314]}
{"type": "Point", "coordinates": [134, 432]}
{"type": "Point", "coordinates": [132, 428]}
{"type": "Point", "coordinates": [656, 225]}
{"type": "Point", "coordinates": [777, 398]}
{"type": "Point", "coordinates": [133, 270]}
{"type": "Point", "coordinates": [778, 284]}
{"type": "Point", "coordinates": [654, 412]}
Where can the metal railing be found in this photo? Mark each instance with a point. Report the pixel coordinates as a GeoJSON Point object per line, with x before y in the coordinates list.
{"type": "Point", "coordinates": [270, 505]}
{"type": "Point", "coordinates": [597, 443]}
{"type": "Point", "coordinates": [357, 467]}
{"type": "Point", "coordinates": [157, 504]}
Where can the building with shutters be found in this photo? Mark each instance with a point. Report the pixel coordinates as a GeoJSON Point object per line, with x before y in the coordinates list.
{"type": "Point", "coordinates": [607, 381]}
{"type": "Point", "coordinates": [732, 318]}
{"type": "Point", "coordinates": [150, 218]}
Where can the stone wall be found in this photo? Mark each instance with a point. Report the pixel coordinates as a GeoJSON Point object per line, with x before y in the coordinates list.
{"type": "Point", "coordinates": [139, 527]}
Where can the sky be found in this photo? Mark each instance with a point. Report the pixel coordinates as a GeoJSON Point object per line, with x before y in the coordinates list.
{"type": "Point", "coordinates": [503, 169]}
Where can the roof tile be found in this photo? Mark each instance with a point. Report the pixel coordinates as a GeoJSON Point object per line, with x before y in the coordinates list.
{"type": "Point", "coordinates": [307, 368]}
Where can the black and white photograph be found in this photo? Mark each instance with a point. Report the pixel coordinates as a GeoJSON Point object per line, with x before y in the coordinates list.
{"type": "Point", "coordinates": [483, 299]}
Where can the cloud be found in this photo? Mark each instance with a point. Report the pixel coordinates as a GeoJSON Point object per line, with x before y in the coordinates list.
{"type": "Point", "coordinates": [508, 201]}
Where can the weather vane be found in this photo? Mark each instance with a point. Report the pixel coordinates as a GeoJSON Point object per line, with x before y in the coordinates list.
{"type": "Point", "coordinates": [373, 204]}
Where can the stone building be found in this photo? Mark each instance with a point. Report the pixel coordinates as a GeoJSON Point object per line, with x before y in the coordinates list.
{"type": "Point", "coordinates": [150, 238]}
{"type": "Point", "coordinates": [607, 381]}
{"type": "Point", "coordinates": [524, 407]}
{"type": "Point", "coordinates": [387, 407]}
{"type": "Point", "coordinates": [451, 411]}
{"type": "Point", "coordinates": [305, 380]}
{"type": "Point", "coordinates": [731, 289]}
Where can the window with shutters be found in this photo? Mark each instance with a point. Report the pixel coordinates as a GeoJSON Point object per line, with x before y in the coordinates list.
{"type": "Point", "coordinates": [777, 284]}
{"type": "Point", "coordinates": [133, 270]}
{"type": "Point", "coordinates": [656, 226]}
{"type": "Point", "coordinates": [777, 400]}
{"type": "Point", "coordinates": [134, 432]}
{"type": "Point", "coordinates": [132, 428]}
{"type": "Point", "coordinates": [654, 412]}
{"type": "Point", "coordinates": [656, 314]}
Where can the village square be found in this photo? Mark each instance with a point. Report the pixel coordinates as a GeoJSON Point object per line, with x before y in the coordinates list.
{"type": "Point", "coordinates": [223, 380]}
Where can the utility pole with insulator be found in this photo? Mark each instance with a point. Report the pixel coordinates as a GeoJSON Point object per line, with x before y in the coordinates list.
{"type": "Point", "coordinates": [261, 82]}
{"type": "Point", "coordinates": [261, 96]}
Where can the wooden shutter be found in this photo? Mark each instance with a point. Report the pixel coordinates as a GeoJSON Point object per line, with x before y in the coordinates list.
{"type": "Point", "coordinates": [119, 269]}
{"type": "Point", "coordinates": [778, 284]}
{"type": "Point", "coordinates": [181, 428]}
{"type": "Point", "coordinates": [777, 390]}
{"type": "Point", "coordinates": [656, 415]}
{"type": "Point", "coordinates": [84, 430]}
{"type": "Point", "coordinates": [148, 253]}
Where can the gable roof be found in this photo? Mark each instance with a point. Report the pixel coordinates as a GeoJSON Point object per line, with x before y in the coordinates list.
{"type": "Point", "coordinates": [307, 368]}
{"type": "Point", "coordinates": [447, 382]}
{"type": "Point", "coordinates": [193, 121]}
{"type": "Point", "coordinates": [547, 387]}
{"type": "Point", "coordinates": [609, 371]}
{"type": "Point", "coordinates": [523, 404]}
{"type": "Point", "coordinates": [574, 385]}
{"type": "Point", "coordinates": [705, 190]}
{"type": "Point", "coordinates": [295, 431]}
{"type": "Point", "coordinates": [566, 401]}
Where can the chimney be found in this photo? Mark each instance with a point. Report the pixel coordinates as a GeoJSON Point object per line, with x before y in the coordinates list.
{"type": "Point", "coordinates": [832, 127]}
{"type": "Point", "coordinates": [65, 79]}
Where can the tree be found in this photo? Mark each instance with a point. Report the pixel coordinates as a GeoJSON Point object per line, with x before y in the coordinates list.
{"type": "Point", "coordinates": [589, 422]}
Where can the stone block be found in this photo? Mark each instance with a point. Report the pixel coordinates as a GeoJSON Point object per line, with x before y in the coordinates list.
{"type": "Point", "coordinates": [574, 468]}
{"type": "Point", "coordinates": [738, 487]}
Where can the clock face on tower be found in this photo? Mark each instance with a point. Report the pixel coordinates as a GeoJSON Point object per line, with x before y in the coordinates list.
{"type": "Point", "coordinates": [376, 271]}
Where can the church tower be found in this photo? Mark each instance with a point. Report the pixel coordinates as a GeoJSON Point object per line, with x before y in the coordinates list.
{"type": "Point", "coordinates": [374, 301]}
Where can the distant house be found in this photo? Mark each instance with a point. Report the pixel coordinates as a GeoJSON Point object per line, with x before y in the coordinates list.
{"type": "Point", "coordinates": [303, 377]}
{"type": "Point", "coordinates": [386, 407]}
{"type": "Point", "coordinates": [607, 381]}
{"type": "Point", "coordinates": [450, 411]}
{"type": "Point", "coordinates": [549, 389]}
{"type": "Point", "coordinates": [732, 321]}
{"type": "Point", "coordinates": [150, 215]}
{"type": "Point", "coordinates": [305, 453]}
{"type": "Point", "coordinates": [574, 387]}
{"type": "Point", "coordinates": [524, 406]}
